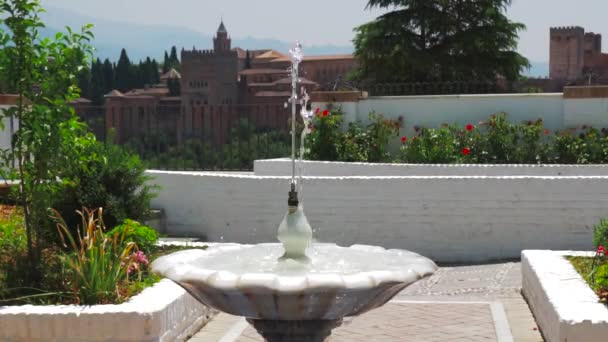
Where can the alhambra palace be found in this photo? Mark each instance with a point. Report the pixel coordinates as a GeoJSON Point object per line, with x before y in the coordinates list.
{"type": "Point", "coordinates": [227, 82]}
{"type": "Point", "coordinates": [219, 82]}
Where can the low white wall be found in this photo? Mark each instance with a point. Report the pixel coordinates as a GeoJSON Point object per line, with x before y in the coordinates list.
{"type": "Point", "coordinates": [433, 110]}
{"type": "Point", "coordinates": [564, 306]}
{"type": "Point", "coordinates": [164, 312]}
{"type": "Point", "coordinates": [450, 219]}
{"type": "Point", "coordinates": [282, 167]}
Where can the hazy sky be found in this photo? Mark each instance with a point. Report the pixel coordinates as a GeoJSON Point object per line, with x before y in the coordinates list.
{"type": "Point", "coordinates": [326, 21]}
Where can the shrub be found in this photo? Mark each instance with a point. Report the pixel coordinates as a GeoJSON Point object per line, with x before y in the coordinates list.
{"type": "Point", "coordinates": [99, 263]}
{"type": "Point", "coordinates": [144, 237]}
{"type": "Point", "coordinates": [324, 140]}
{"type": "Point", "coordinates": [432, 146]}
{"type": "Point", "coordinates": [600, 234]}
{"type": "Point", "coordinates": [110, 177]}
{"type": "Point", "coordinates": [358, 143]}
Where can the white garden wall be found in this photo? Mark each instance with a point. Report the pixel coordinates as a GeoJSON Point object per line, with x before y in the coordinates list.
{"type": "Point", "coordinates": [564, 306]}
{"type": "Point", "coordinates": [164, 312]}
{"type": "Point", "coordinates": [282, 167]}
{"type": "Point", "coordinates": [556, 111]}
{"type": "Point", "coordinates": [451, 219]}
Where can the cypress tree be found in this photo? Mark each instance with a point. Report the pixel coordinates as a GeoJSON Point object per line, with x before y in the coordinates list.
{"type": "Point", "coordinates": [166, 63]}
{"type": "Point", "coordinates": [124, 72]}
{"type": "Point", "coordinates": [108, 76]}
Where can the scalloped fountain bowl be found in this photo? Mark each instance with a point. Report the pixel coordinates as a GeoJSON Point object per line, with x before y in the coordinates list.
{"type": "Point", "coordinates": [288, 300]}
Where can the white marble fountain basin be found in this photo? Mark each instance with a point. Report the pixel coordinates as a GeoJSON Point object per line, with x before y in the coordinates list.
{"type": "Point", "coordinates": [246, 280]}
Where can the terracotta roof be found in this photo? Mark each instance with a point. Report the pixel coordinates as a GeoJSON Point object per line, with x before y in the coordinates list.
{"type": "Point", "coordinates": [240, 52]}
{"type": "Point", "coordinates": [80, 100]}
{"type": "Point", "coordinates": [317, 58]}
{"type": "Point", "coordinates": [149, 91]}
{"type": "Point", "coordinates": [271, 54]}
{"type": "Point", "coordinates": [261, 85]}
{"type": "Point", "coordinates": [273, 94]}
{"type": "Point", "coordinates": [262, 71]}
{"type": "Point", "coordinates": [171, 74]}
{"type": "Point", "coordinates": [287, 80]}
{"type": "Point", "coordinates": [114, 93]}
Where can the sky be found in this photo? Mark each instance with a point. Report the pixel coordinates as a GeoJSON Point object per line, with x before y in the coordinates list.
{"type": "Point", "coordinates": [317, 22]}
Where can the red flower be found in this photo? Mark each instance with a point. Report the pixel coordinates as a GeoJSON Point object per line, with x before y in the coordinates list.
{"type": "Point", "coordinates": [547, 132]}
{"type": "Point", "coordinates": [601, 250]}
{"type": "Point", "coordinates": [466, 151]}
{"type": "Point", "coordinates": [325, 112]}
{"type": "Point", "coordinates": [403, 139]}
{"type": "Point", "coordinates": [470, 127]}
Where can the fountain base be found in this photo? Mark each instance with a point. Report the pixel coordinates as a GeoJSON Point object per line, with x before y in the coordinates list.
{"type": "Point", "coordinates": [295, 331]}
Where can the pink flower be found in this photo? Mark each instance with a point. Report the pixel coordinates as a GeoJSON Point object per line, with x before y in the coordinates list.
{"type": "Point", "coordinates": [318, 111]}
{"type": "Point", "coordinates": [547, 132]}
{"type": "Point", "coordinates": [141, 258]}
{"type": "Point", "coordinates": [601, 250]}
{"type": "Point", "coordinates": [470, 127]}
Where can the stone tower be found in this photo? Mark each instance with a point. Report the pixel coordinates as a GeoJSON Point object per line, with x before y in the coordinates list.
{"type": "Point", "coordinates": [221, 42]}
{"type": "Point", "coordinates": [567, 52]}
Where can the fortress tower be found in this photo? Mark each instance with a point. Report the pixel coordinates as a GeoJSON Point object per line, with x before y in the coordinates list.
{"type": "Point", "coordinates": [567, 52]}
{"type": "Point", "coordinates": [209, 77]}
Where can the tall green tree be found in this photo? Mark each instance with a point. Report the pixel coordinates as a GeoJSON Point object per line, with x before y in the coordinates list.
{"type": "Point", "coordinates": [43, 73]}
{"type": "Point", "coordinates": [108, 76]}
{"type": "Point", "coordinates": [439, 40]}
{"type": "Point", "coordinates": [98, 82]}
{"type": "Point", "coordinates": [125, 77]}
{"type": "Point", "coordinates": [166, 63]}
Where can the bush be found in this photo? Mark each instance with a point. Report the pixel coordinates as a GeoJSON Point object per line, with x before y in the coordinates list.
{"type": "Point", "coordinates": [144, 237]}
{"type": "Point", "coordinates": [600, 234]}
{"type": "Point", "coordinates": [358, 143]}
{"type": "Point", "coordinates": [110, 177]}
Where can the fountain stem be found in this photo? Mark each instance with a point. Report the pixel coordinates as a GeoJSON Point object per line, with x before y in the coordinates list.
{"type": "Point", "coordinates": [296, 55]}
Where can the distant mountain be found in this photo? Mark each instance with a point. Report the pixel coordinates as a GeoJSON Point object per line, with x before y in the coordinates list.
{"type": "Point", "coordinates": [142, 41]}
{"type": "Point", "coordinates": [538, 69]}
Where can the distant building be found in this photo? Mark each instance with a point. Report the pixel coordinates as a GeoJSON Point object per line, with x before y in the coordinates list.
{"type": "Point", "coordinates": [223, 83]}
{"type": "Point", "coordinates": [576, 56]}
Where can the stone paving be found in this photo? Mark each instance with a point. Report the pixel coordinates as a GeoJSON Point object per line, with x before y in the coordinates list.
{"type": "Point", "coordinates": [465, 303]}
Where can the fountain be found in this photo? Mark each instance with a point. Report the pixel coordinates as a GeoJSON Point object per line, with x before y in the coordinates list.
{"type": "Point", "coordinates": [296, 290]}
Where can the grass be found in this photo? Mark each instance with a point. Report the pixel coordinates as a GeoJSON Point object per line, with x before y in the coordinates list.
{"type": "Point", "coordinates": [584, 266]}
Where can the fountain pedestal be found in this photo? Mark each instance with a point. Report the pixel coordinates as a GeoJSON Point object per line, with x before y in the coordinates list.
{"type": "Point", "coordinates": [295, 331]}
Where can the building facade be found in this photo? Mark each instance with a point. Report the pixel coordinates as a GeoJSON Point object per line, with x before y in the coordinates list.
{"type": "Point", "coordinates": [576, 56]}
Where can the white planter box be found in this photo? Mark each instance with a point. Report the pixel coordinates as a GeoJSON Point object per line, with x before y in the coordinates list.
{"type": "Point", "coordinates": [164, 312]}
{"type": "Point", "coordinates": [565, 307]}
{"type": "Point", "coordinates": [282, 167]}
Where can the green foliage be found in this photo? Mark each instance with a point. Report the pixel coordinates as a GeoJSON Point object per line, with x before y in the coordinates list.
{"type": "Point", "coordinates": [600, 234]}
{"type": "Point", "coordinates": [439, 40]}
{"type": "Point", "coordinates": [433, 146]}
{"type": "Point", "coordinates": [601, 277]}
{"type": "Point", "coordinates": [144, 237]}
{"type": "Point", "coordinates": [359, 143]}
{"type": "Point", "coordinates": [245, 144]}
{"type": "Point", "coordinates": [98, 263]}
{"type": "Point", "coordinates": [106, 176]}
{"type": "Point", "coordinates": [43, 72]}
{"type": "Point", "coordinates": [324, 141]}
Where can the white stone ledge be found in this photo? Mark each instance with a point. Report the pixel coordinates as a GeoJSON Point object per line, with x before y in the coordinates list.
{"type": "Point", "coordinates": [164, 312]}
{"type": "Point", "coordinates": [565, 307]}
{"type": "Point", "coordinates": [282, 167]}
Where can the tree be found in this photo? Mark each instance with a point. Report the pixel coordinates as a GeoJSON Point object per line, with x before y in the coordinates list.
{"type": "Point", "coordinates": [166, 63]}
{"type": "Point", "coordinates": [108, 76]}
{"type": "Point", "coordinates": [174, 59]}
{"type": "Point", "coordinates": [43, 73]}
{"type": "Point", "coordinates": [439, 40]}
{"type": "Point", "coordinates": [124, 72]}
{"type": "Point", "coordinates": [97, 83]}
